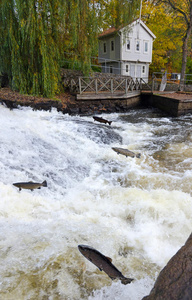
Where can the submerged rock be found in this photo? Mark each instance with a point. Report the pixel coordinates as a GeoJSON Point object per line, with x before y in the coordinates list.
{"type": "Point", "coordinates": [175, 280]}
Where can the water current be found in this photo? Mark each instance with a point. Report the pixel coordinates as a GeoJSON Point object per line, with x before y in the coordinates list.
{"type": "Point", "coordinates": [136, 211]}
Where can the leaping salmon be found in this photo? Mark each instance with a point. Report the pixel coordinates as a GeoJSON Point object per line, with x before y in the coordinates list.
{"type": "Point", "coordinates": [126, 152]}
{"type": "Point", "coordinates": [30, 185]}
{"type": "Point", "coordinates": [104, 263]}
{"type": "Point", "coordinates": [101, 120]}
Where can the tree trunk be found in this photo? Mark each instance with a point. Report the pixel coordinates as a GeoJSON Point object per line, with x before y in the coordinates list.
{"type": "Point", "coordinates": [184, 58]}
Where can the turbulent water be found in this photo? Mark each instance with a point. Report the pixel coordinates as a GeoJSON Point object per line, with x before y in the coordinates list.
{"type": "Point", "coordinates": [136, 211]}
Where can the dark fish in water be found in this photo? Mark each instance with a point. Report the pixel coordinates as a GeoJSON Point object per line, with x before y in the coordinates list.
{"type": "Point", "coordinates": [103, 262]}
{"type": "Point", "coordinates": [126, 152]}
{"type": "Point", "coordinates": [30, 185]}
{"type": "Point", "coordinates": [101, 120]}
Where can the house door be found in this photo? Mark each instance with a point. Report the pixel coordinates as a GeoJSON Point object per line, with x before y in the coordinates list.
{"type": "Point", "coordinates": [135, 71]}
{"type": "Point", "coordinates": [132, 71]}
{"type": "Point", "coordinates": [138, 71]}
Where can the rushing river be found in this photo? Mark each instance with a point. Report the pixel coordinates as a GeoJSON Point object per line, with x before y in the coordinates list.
{"type": "Point", "coordinates": [136, 211]}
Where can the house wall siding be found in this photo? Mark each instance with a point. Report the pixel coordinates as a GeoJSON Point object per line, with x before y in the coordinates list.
{"type": "Point", "coordinates": [109, 55]}
{"type": "Point", "coordinates": [140, 34]}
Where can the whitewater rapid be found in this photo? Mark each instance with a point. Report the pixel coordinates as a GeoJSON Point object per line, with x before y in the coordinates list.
{"type": "Point", "coordinates": [136, 211]}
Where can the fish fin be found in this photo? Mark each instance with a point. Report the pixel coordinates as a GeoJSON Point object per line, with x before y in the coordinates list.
{"type": "Point", "coordinates": [19, 189]}
{"type": "Point", "coordinates": [44, 183]}
{"type": "Point", "coordinates": [125, 280]}
{"type": "Point", "coordinates": [109, 258]}
{"type": "Point", "coordinates": [39, 188]}
{"type": "Point", "coordinates": [100, 269]}
{"type": "Point", "coordinates": [109, 122]}
{"type": "Point", "coordinates": [138, 155]}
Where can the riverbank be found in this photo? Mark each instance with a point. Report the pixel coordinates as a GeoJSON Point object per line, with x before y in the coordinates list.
{"type": "Point", "coordinates": [13, 99]}
{"type": "Point", "coordinates": [67, 103]}
{"type": "Point", "coordinates": [174, 103]}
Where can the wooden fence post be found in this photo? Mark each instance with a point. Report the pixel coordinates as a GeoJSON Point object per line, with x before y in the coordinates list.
{"type": "Point", "coordinates": [126, 86]}
{"type": "Point", "coordinates": [112, 85]}
{"type": "Point", "coordinates": [96, 88]}
{"type": "Point", "coordinates": [80, 85]}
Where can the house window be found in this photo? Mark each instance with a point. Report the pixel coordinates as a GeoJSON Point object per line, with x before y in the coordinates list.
{"type": "Point", "coordinates": [111, 69]}
{"type": "Point", "coordinates": [143, 70]}
{"type": "Point", "coordinates": [104, 47]}
{"type": "Point", "coordinates": [128, 45]}
{"type": "Point", "coordinates": [127, 69]}
{"type": "Point", "coordinates": [137, 46]}
{"type": "Point", "coordinates": [112, 46]}
{"type": "Point", "coordinates": [146, 46]}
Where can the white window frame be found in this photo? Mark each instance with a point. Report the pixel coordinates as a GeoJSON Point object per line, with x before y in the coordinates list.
{"type": "Point", "coordinates": [136, 43]}
{"type": "Point", "coordinates": [144, 51]}
{"type": "Point", "coordinates": [128, 50]}
{"type": "Point", "coordinates": [143, 69]}
{"type": "Point", "coordinates": [127, 69]}
{"type": "Point", "coordinates": [104, 47]}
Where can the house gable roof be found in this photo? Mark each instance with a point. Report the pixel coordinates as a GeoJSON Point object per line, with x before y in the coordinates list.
{"type": "Point", "coordinates": [113, 30]}
{"type": "Point", "coordinates": [108, 31]}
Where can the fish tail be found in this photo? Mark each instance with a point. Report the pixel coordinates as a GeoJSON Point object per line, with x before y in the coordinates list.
{"type": "Point", "coordinates": [109, 122]}
{"type": "Point", "coordinates": [44, 183]}
{"type": "Point", "coordinates": [126, 280]}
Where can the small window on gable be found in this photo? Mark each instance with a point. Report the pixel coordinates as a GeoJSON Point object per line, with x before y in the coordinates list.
{"type": "Point", "coordinates": [128, 45]}
{"type": "Point", "coordinates": [104, 47]}
{"type": "Point", "coordinates": [146, 46]}
{"type": "Point", "coordinates": [112, 46]}
{"type": "Point", "coordinates": [137, 46]}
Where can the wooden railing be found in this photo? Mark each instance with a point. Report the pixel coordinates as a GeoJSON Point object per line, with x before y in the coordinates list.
{"type": "Point", "coordinates": [109, 85]}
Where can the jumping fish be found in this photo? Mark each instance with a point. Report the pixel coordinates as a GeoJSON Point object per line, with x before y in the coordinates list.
{"type": "Point", "coordinates": [126, 152]}
{"type": "Point", "coordinates": [30, 185]}
{"type": "Point", "coordinates": [103, 262]}
{"type": "Point", "coordinates": [101, 120]}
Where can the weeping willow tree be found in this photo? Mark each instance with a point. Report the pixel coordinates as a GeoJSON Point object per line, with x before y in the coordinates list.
{"type": "Point", "coordinates": [29, 48]}
{"type": "Point", "coordinates": [35, 34]}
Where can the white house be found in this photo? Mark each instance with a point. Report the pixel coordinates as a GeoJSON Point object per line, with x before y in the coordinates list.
{"type": "Point", "coordinates": [127, 51]}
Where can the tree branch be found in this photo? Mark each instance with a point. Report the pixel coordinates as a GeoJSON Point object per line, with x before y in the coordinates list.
{"type": "Point", "coordinates": [177, 9]}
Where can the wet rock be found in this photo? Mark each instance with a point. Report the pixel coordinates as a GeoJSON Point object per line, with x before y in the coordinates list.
{"type": "Point", "coordinates": [175, 280]}
{"type": "Point", "coordinates": [9, 104]}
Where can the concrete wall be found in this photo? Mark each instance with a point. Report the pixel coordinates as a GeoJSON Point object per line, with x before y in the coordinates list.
{"type": "Point", "coordinates": [173, 107]}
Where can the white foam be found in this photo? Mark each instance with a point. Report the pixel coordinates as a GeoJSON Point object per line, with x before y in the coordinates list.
{"type": "Point", "coordinates": [137, 211]}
